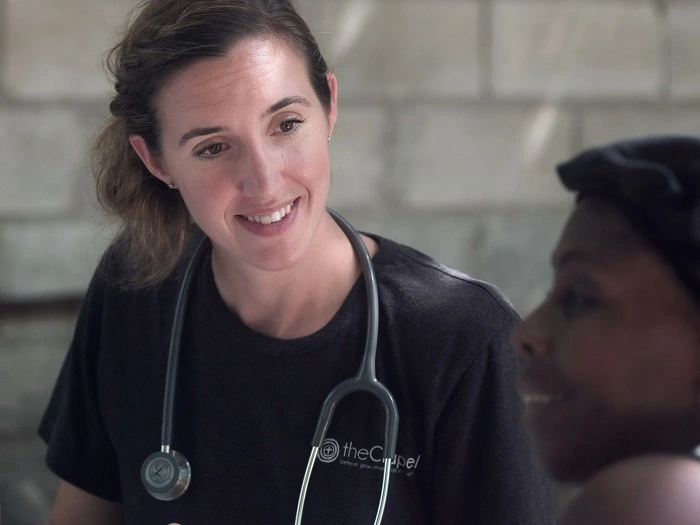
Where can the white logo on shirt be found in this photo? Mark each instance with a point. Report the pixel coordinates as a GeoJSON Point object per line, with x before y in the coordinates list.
{"type": "Point", "coordinates": [350, 455]}
{"type": "Point", "coordinates": [329, 452]}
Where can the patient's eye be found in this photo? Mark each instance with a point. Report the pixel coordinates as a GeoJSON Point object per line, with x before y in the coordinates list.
{"type": "Point", "coordinates": [573, 302]}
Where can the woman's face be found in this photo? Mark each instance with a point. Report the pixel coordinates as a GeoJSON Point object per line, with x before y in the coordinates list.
{"type": "Point", "coordinates": [245, 142]}
{"type": "Point", "coordinates": [610, 358]}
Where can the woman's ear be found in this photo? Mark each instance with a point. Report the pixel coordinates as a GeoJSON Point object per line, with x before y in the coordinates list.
{"type": "Point", "coordinates": [151, 161]}
{"type": "Point", "coordinates": [333, 107]}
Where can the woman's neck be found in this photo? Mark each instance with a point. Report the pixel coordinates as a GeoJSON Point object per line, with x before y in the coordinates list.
{"type": "Point", "coordinates": [298, 301]}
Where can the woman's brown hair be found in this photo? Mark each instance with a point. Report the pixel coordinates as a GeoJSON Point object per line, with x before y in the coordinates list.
{"type": "Point", "coordinates": [161, 38]}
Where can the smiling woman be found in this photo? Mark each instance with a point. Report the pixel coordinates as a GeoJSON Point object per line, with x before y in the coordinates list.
{"type": "Point", "coordinates": [611, 379]}
{"type": "Point", "coordinates": [218, 147]}
{"type": "Point", "coordinates": [267, 160]}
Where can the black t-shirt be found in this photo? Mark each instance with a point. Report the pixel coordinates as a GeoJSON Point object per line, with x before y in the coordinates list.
{"type": "Point", "coordinates": [246, 405]}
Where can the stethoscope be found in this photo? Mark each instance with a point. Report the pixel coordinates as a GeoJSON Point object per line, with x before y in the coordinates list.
{"type": "Point", "coordinates": [166, 474]}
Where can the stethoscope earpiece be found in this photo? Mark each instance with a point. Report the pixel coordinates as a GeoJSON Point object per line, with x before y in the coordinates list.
{"type": "Point", "coordinates": [166, 475]}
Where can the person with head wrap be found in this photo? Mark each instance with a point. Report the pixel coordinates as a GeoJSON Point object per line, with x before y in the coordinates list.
{"type": "Point", "coordinates": [611, 358]}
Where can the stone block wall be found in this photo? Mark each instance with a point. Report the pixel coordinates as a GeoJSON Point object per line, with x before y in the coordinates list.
{"type": "Point", "coordinates": [452, 116]}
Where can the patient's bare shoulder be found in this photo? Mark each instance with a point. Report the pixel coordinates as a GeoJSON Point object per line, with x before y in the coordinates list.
{"type": "Point", "coordinates": [647, 490]}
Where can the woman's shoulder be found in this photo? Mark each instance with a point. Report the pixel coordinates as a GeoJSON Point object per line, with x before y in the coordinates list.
{"type": "Point", "coordinates": [644, 490]}
{"type": "Point", "coordinates": [112, 278]}
{"type": "Point", "coordinates": [431, 284]}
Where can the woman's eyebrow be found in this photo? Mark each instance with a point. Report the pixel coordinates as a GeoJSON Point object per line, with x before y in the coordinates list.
{"type": "Point", "coordinates": [283, 103]}
{"type": "Point", "coordinates": [198, 132]}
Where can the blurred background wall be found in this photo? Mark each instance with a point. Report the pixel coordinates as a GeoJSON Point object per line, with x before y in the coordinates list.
{"type": "Point", "coordinates": [452, 116]}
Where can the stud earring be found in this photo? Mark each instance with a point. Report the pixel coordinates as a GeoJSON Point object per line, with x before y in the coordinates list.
{"type": "Point", "coordinates": [171, 186]}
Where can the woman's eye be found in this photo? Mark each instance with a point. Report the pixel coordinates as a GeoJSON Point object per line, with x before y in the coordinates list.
{"type": "Point", "coordinates": [211, 152]}
{"type": "Point", "coordinates": [290, 126]}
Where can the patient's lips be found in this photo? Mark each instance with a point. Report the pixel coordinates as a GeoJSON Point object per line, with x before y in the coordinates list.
{"type": "Point", "coordinates": [541, 385]}
{"type": "Point", "coordinates": [541, 398]}
{"type": "Point", "coordinates": [547, 411]}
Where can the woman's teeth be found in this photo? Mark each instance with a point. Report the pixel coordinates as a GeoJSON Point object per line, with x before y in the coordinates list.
{"type": "Point", "coordinates": [273, 217]}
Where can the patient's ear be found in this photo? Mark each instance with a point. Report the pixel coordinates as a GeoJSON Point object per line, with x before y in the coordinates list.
{"type": "Point", "coordinates": [149, 159]}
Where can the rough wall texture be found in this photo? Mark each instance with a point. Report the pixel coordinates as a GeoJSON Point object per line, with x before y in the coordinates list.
{"type": "Point", "coordinates": [452, 115]}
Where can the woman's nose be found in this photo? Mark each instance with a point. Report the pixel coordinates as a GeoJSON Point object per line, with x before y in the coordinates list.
{"type": "Point", "coordinates": [261, 178]}
{"type": "Point", "coordinates": [530, 337]}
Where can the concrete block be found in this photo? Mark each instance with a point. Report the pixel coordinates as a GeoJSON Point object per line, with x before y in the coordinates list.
{"type": "Point", "coordinates": [41, 260]}
{"type": "Point", "coordinates": [358, 156]}
{"type": "Point", "coordinates": [684, 38]}
{"type": "Point", "coordinates": [448, 238]}
{"type": "Point", "coordinates": [475, 157]}
{"type": "Point", "coordinates": [576, 49]}
{"type": "Point", "coordinates": [43, 156]}
{"type": "Point", "coordinates": [515, 255]}
{"type": "Point", "coordinates": [32, 351]}
{"type": "Point", "coordinates": [398, 48]}
{"type": "Point", "coordinates": [53, 49]}
{"type": "Point", "coordinates": [606, 125]}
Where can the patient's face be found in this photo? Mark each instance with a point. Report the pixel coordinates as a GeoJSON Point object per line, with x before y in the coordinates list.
{"type": "Point", "coordinates": [611, 357]}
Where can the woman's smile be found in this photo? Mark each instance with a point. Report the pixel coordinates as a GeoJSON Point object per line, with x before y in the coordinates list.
{"type": "Point", "coordinates": [270, 224]}
{"type": "Point", "coordinates": [275, 216]}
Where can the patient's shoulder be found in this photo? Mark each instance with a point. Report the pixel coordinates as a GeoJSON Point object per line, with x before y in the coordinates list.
{"type": "Point", "coordinates": [646, 490]}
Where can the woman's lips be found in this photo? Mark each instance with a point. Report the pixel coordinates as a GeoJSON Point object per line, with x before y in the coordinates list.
{"type": "Point", "coordinates": [275, 216]}
{"type": "Point", "coordinates": [270, 224]}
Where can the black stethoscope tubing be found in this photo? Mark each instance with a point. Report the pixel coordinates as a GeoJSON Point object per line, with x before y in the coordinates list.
{"type": "Point", "coordinates": [166, 474]}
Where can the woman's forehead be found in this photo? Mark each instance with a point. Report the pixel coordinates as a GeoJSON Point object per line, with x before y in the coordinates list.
{"type": "Point", "coordinates": [254, 67]}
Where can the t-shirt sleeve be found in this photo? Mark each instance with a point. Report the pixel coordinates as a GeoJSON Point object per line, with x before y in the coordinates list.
{"type": "Point", "coordinates": [79, 448]}
{"type": "Point", "coordinates": [483, 457]}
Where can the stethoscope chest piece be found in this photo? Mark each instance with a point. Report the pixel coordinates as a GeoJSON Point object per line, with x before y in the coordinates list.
{"type": "Point", "coordinates": [166, 475]}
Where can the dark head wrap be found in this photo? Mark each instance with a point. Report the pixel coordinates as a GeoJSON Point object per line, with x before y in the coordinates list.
{"type": "Point", "coordinates": [655, 181]}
